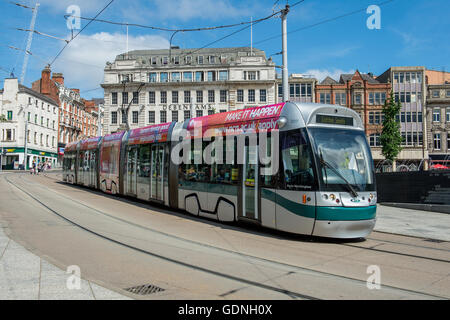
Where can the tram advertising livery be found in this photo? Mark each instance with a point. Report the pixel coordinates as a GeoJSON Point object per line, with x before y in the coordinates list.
{"type": "Point", "coordinates": [302, 168]}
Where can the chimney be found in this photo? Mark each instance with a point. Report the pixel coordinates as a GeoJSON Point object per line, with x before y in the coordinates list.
{"type": "Point", "coordinates": [58, 77]}
{"type": "Point", "coordinates": [75, 90]}
{"type": "Point", "coordinates": [45, 80]}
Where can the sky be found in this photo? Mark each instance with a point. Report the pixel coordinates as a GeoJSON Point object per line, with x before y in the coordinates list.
{"type": "Point", "coordinates": [326, 37]}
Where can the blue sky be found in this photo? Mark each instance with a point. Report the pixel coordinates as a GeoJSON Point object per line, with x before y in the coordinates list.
{"type": "Point", "coordinates": [413, 32]}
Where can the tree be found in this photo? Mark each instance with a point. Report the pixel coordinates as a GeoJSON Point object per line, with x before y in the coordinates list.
{"type": "Point", "coordinates": [391, 138]}
{"type": "Point", "coordinates": [3, 118]}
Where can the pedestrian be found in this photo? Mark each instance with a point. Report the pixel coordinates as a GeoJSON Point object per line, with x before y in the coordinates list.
{"type": "Point", "coordinates": [34, 167]}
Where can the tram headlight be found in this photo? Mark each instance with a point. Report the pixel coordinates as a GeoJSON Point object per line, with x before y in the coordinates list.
{"type": "Point", "coordinates": [281, 122]}
{"type": "Point", "coordinates": [371, 196]}
{"type": "Point", "coordinates": [325, 197]}
{"type": "Point", "coordinates": [332, 196]}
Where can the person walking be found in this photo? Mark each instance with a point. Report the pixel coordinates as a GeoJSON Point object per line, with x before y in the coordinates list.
{"type": "Point", "coordinates": [33, 167]}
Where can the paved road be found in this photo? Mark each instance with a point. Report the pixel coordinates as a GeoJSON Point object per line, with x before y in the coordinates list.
{"type": "Point", "coordinates": [120, 244]}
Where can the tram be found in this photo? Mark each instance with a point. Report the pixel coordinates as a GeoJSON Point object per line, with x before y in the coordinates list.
{"type": "Point", "coordinates": [323, 185]}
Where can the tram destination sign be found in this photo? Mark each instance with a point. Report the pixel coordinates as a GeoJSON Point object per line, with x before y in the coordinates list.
{"type": "Point", "coordinates": [327, 119]}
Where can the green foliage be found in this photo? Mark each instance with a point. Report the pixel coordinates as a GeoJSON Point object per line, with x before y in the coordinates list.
{"type": "Point", "coordinates": [3, 118]}
{"type": "Point", "coordinates": [391, 138]}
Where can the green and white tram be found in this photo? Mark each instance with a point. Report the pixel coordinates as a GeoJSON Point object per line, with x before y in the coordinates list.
{"type": "Point", "coordinates": [323, 185]}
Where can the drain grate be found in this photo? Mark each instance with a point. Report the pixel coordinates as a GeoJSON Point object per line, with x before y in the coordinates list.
{"type": "Point", "coordinates": [144, 289]}
{"type": "Point", "coordinates": [434, 240]}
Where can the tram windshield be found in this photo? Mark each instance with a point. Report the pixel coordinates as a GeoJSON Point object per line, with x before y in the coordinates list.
{"type": "Point", "coordinates": [344, 159]}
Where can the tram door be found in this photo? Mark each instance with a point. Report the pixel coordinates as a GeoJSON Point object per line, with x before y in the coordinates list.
{"type": "Point", "coordinates": [157, 172]}
{"type": "Point", "coordinates": [93, 168]}
{"type": "Point", "coordinates": [131, 170]}
{"type": "Point", "coordinates": [250, 203]}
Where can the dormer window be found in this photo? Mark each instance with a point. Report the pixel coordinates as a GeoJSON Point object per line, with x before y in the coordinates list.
{"type": "Point", "coordinates": [200, 59]}
{"type": "Point", "coordinates": [153, 61]}
{"type": "Point", "coordinates": [188, 60]}
{"type": "Point", "coordinates": [212, 59]}
{"type": "Point", "coordinates": [176, 60]}
{"type": "Point", "coordinates": [165, 60]}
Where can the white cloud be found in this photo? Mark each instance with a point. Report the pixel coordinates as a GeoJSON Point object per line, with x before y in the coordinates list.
{"type": "Point", "coordinates": [321, 74]}
{"type": "Point", "coordinates": [84, 59]}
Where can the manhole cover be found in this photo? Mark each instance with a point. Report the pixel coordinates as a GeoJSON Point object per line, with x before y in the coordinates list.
{"type": "Point", "coordinates": [144, 289]}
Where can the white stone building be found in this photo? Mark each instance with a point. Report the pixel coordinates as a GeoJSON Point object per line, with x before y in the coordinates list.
{"type": "Point", "coordinates": [25, 110]}
{"type": "Point", "coordinates": [174, 85]}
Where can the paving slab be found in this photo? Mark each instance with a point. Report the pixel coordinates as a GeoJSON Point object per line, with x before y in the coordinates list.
{"type": "Point", "coordinates": [415, 223]}
{"type": "Point", "coordinates": [26, 276]}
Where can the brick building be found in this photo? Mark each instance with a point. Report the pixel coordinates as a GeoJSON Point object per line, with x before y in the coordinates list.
{"type": "Point", "coordinates": [362, 93]}
{"type": "Point", "coordinates": [74, 121]}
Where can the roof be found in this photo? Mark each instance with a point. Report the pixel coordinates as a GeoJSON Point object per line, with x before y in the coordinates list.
{"type": "Point", "coordinates": [41, 96]}
{"type": "Point", "coordinates": [329, 80]}
{"type": "Point", "coordinates": [348, 77]}
{"type": "Point", "coordinates": [231, 54]}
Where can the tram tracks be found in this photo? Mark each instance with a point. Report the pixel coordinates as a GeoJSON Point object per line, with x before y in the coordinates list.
{"type": "Point", "coordinates": [293, 267]}
{"type": "Point", "coordinates": [372, 248]}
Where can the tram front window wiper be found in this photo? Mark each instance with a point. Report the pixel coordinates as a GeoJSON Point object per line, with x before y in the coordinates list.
{"type": "Point", "coordinates": [348, 184]}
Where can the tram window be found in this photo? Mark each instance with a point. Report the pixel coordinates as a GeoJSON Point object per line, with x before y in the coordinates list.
{"type": "Point", "coordinates": [197, 172]}
{"type": "Point", "coordinates": [225, 172]}
{"type": "Point", "coordinates": [297, 161]}
{"type": "Point", "coordinates": [268, 181]}
{"type": "Point", "coordinates": [144, 164]}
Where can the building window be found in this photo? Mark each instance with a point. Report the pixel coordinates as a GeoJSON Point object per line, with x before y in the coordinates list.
{"type": "Point", "coordinates": [199, 94]}
{"type": "Point", "coordinates": [135, 97]}
{"type": "Point", "coordinates": [437, 141]}
{"type": "Point", "coordinates": [187, 76]}
{"type": "Point", "coordinates": [114, 117]}
{"type": "Point", "coordinates": [188, 59]}
{"type": "Point", "coordinates": [10, 115]}
{"type": "Point", "coordinates": [174, 96]}
{"type": "Point", "coordinates": [340, 98]}
{"type": "Point", "coordinates": [251, 75]}
{"type": "Point", "coordinates": [175, 77]}
{"type": "Point", "coordinates": [240, 95]}
{"type": "Point", "coordinates": [448, 93]}
{"type": "Point", "coordinates": [211, 96]}
{"type": "Point", "coordinates": [210, 112]}
{"type": "Point", "coordinates": [176, 60]}
{"type": "Point", "coordinates": [163, 116]}
{"type": "Point", "coordinates": [222, 110]}
{"type": "Point", "coordinates": [212, 59]}
{"type": "Point", "coordinates": [251, 95]}
{"type": "Point", "coordinates": [114, 98]}
{"type": "Point", "coordinates": [175, 115]}
{"type": "Point", "coordinates": [187, 114]}
{"type": "Point", "coordinates": [199, 76]}
{"type": "Point", "coordinates": [200, 59]}
{"type": "Point", "coordinates": [357, 99]}
{"type": "Point", "coordinates": [223, 75]}
{"type": "Point", "coordinates": [447, 115]}
{"type": "Point", "coordinates": [135, 117]}
{"type": "Point", "coordinates": [223, 95]}
{"type": "Point", "coordinates": [435, 93]}
{"type": "Point", "coordinates": [187, 97]}
{"type": "Point", "coordinates": [164, 77]}
{"type": "Point", "coordinates": [436, 115]}
{"type": "Point", "coordinates": [152, 77]}
{"type": "Point", "coordinates": [124, 97]}
{"type": "Point", "coordinates": [199, 113]}
{"type": "Point", "coordinates": [151, 97]}
{"type": "Point", "coordinates": [262, 95]}
{"type": "Point", "coordinates": [211, 76]}
{"type": "Point", "coordinates": [374, 140]}
{"type": "Point", "coordinates": [325, 98]}
{"type": "Point", "coordinates": [42, 121]}
{"type": "Point", "coordinates": [53, 124]}
{"type": "Point", "coordinates": [153, 60]}
{"type": "Point", "coordinates": [151, 117]}
{"type": "Point", "coordinates": [165, 60]}
{"type": "Point", "coordinates": [124, 117]}
{"type": "Point", "coordinates": [163, 96]}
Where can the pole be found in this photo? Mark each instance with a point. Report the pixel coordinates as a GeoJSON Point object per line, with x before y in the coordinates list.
{"type": "Point", "coordinates": [285, 76]}
{"type": "Point", "coordinates": [30, 39]}
{"type": "Point", "coordinates": [25, 160]}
